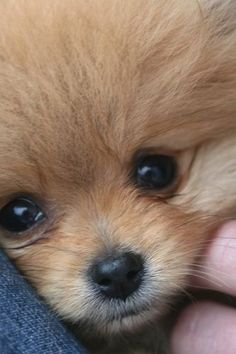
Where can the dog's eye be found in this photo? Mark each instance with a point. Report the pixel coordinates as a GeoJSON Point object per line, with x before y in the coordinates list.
{"type": "Point", "coordinates": [20, 215]}
{"type": "Point", "coordinates": [156, 172]}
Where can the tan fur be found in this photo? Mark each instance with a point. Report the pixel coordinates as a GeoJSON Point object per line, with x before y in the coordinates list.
{"type": "Point", "coordinates": [86, 85]}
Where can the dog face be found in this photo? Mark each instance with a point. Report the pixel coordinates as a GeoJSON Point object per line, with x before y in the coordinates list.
{"type": "Point", "coordinates": [117, 127]}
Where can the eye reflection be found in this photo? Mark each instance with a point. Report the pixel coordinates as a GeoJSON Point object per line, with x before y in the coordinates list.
{"type": "Point", "coordinates": [156, 172]}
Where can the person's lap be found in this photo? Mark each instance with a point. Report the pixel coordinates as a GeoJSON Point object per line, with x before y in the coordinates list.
{"type": "Point", "coordinates": [26, 324]}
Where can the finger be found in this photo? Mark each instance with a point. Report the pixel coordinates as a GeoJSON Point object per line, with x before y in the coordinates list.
{"type": "Point", "coordinates": [218, 269]}
{"type": "Point", "coordinates": [205, 328]}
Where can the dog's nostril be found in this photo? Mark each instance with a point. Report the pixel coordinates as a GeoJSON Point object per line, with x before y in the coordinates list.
{"type": "Point", "coordinates": [132, 274]}
{"type": "Point", "coordinates": [118, 276]}
{"type": "Point", "coordinates": [104, 282]}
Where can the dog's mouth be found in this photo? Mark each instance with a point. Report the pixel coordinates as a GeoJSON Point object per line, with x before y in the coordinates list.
{"type": "Point", "coordinates": [117, 323]}
{"type": "Point", "coordinates": [119, 317]}
{"type": "Point", "coordinates": [129, 312]}
{"type": "Point", "coordinates": [119, 328]}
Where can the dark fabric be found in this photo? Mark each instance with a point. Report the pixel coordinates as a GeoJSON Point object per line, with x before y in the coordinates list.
{"type": "Point", "coordinates": [26, 324]}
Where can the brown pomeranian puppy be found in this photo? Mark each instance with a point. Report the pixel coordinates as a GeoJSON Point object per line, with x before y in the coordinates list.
{"type": "Point", "coordinates": [118, 154]}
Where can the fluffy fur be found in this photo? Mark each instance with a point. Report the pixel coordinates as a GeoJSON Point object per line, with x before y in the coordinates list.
{"type": "Point", "coordinates": [84, 87]}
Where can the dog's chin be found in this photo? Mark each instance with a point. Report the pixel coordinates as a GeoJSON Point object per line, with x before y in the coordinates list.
{"type": "Point", "coordinates": [123, 321]}
{"type": "Point", "coordinates": [104, 317]}
{"type": "Point", "coordinates": [118, 331]}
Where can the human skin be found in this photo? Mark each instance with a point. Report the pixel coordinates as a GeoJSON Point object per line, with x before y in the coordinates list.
{"type": "Point", "coordinates": [208, 327]}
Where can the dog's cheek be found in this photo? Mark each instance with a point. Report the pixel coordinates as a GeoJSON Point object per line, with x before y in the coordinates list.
{"type": "Point", "coordinates": [57, 269]}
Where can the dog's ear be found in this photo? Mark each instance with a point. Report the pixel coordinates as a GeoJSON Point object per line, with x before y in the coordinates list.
{"type": "Point", "coordinates": [217, 4]}
{"type": "Point", "coordinates": [223, 10]}
{"type": "Point", "coordinates": [211, 185]}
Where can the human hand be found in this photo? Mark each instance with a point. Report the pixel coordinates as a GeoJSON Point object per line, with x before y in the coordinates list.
{"type": "Point", "coordinates": [210, 328]}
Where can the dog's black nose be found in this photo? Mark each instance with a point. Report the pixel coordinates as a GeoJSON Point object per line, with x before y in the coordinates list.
{"type": "Point", "coordinates": [119, 276]}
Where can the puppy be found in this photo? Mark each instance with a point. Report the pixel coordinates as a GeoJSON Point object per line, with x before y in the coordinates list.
{"type": "Point", "coordinates": [117, 155]}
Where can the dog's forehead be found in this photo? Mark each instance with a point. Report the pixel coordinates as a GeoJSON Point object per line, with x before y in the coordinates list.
{"type": "Point", "coordinates": [79, 85]}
